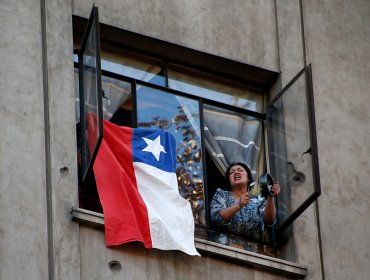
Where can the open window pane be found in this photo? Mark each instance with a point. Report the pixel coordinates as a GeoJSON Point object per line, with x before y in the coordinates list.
{"type": "Point", "coordinates": [292, 144]}
{"type": "Point", "coordinates": [90, 94]}
{"type": "Point", "coordinates": [179, 116]}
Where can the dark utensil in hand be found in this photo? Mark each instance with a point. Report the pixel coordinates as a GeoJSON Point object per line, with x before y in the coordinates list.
{"type": "Point", "coordinates": [266, 182]}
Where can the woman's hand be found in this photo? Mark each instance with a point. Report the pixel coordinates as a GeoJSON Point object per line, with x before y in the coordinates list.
{"type": "Point", "coordinates": [269, 215]}
{"type": "Point", "coordinates": [275, 189]}
{"type": "Point", "coordinates": [228, 213]}
{"type": "Point", "coordinates": [243, 200]}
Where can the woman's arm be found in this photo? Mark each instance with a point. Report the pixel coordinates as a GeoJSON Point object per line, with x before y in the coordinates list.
{"type": "Point", "coordinates": [269, 215]}
{"type": "Point", "coordinates": [228, 213]}
{"type": "Point", "coordinates": [270, 211]}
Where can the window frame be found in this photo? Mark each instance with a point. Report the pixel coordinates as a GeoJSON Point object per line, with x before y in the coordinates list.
{"type": "Point", "coordinates": [307, 72]}
{"type": "Point", "coordinates": [257, 78]}
{"type": "Point", "coordinates": [92, 25]}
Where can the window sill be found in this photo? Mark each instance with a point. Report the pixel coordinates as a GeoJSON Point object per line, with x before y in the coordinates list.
{"type": "Point", "coordinates": [256, 260]}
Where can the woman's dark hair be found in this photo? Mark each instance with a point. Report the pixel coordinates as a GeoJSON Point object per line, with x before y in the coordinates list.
{"type": "Point", "coordinates": [227, 175]}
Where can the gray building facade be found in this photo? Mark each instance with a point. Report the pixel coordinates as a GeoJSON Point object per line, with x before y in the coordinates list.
{"type": "Point", "coordinates": [43, 232]}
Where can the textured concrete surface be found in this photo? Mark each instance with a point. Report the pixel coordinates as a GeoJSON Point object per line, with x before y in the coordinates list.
{"type": "Point", "coordinates": [306, 245]}
{"type": "Point", "coordinates": [338, 46]}
{"type": "Point", "coordinates": [205, 248]}
{"type": "Point", "coordinates": [290, 39]}
{"type": "Point", "coordinates": [337, 40]}
{"type": "Point", "coordinates": [23, 229]}
{"type": "Point", "coordinates": [140, 263]}
{"type": "Point", "coordinates": [237, 29]}
{"type": "Point", "coordinates": [30, 174]}
{"type": "Point", "coordinates": [61, 104]}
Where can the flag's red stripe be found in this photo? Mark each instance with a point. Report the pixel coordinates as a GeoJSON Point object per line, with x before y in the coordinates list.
{"type": "Point", "coordinates": [125, 214]}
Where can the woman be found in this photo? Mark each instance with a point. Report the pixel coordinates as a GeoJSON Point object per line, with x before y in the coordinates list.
{"type": "Point", "coordinates": [237, 210]}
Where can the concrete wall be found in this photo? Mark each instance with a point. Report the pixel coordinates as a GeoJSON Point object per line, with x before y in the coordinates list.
{"type": "Point", "coordinates": [336, 43]}
{"type": "Point", "coordinates": [23, 219]}
{"type": "Point", "coordinates": [139, 263]}
{"type": "Point", "coordinates": [60, 135]}
{"type": "Point", "coordinates": [38, 239]}
{"type": "Point", "coordinates": [337, 38]}
{"type": "Point", "coordinates": [236, 29]}
{"type": "Point", "coordinates": [292, 60]}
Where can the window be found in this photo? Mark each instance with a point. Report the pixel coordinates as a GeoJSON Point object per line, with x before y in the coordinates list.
{"type": "Point", "coordinates": [293, 151]}
{"type": "Point", "coordinates": [90, 97]}
{"type": "Point", "coordinates": [214, 107]}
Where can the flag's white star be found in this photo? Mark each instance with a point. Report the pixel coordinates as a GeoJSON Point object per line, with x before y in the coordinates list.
{"type": "Point", "coordinates": [154, 146]}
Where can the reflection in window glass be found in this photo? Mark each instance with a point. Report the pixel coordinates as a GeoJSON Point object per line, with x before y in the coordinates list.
{"type": "Point", "coordinates": [240, 142]}
{"type": "Point", "coordinates": [77, 97]}
{"type": "Point", "coordinates": [115, 95]}
{"type": "Point", "coordinates": [180, 117]}
{"type": "Point", "coordinates": [210, 87]}
{"type": "Point", "coordinates": [290, 148]}
{"type": "Point", "coordinates": [90, 120]}
{"type": "Point", "coordinates": [132, 65]}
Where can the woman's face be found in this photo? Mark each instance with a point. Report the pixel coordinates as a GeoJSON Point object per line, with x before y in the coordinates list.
{"type": "Point", "coordinates": [238, 176]}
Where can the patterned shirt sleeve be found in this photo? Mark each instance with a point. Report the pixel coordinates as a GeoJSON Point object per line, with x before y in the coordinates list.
{"type": "Point", "coordinates": [218, 203]}
{"type": "Point", "coordinates": [248, 221]}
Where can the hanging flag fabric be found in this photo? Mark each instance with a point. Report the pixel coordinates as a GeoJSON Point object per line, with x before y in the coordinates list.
{"type": "Point", "coordinates": [137, 185]}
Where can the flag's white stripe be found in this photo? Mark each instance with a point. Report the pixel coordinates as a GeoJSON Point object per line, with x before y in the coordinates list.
{"type": "Point", "coordinates": [170, 217]}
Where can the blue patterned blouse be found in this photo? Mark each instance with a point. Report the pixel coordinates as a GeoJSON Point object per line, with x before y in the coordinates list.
{"type": "Point", "coordinates": [248, 221]}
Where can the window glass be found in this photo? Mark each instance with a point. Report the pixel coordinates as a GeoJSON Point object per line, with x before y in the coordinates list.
{"type": "Point", "coordinates": [214, 88]}
{"type": "Point", "coordinates": [132, 65]}
{"type": "Point", "coordinates": [77, 97]}
{"type": "Point", "coordinates": [232, 137]}
{"type": "Point", "coordinates": [179, 116]}
{"type": "Point", "coordinates": [117, 108]}
{"type": "Point", "coordinates": [116, 96]}
{"type": "Point", "coordinates": [90, 93]}
{"type": "Point", "coordinates": [290, 148]}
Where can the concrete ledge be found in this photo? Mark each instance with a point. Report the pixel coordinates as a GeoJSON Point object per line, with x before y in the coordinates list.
{"type": "Point", "coordinates": [261, 262]}
{"type": "Point", "coordinates": [256, 260]}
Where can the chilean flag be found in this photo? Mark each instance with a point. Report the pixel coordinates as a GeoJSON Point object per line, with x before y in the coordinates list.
{"type": "Point", "coordinates": [137, 184]}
